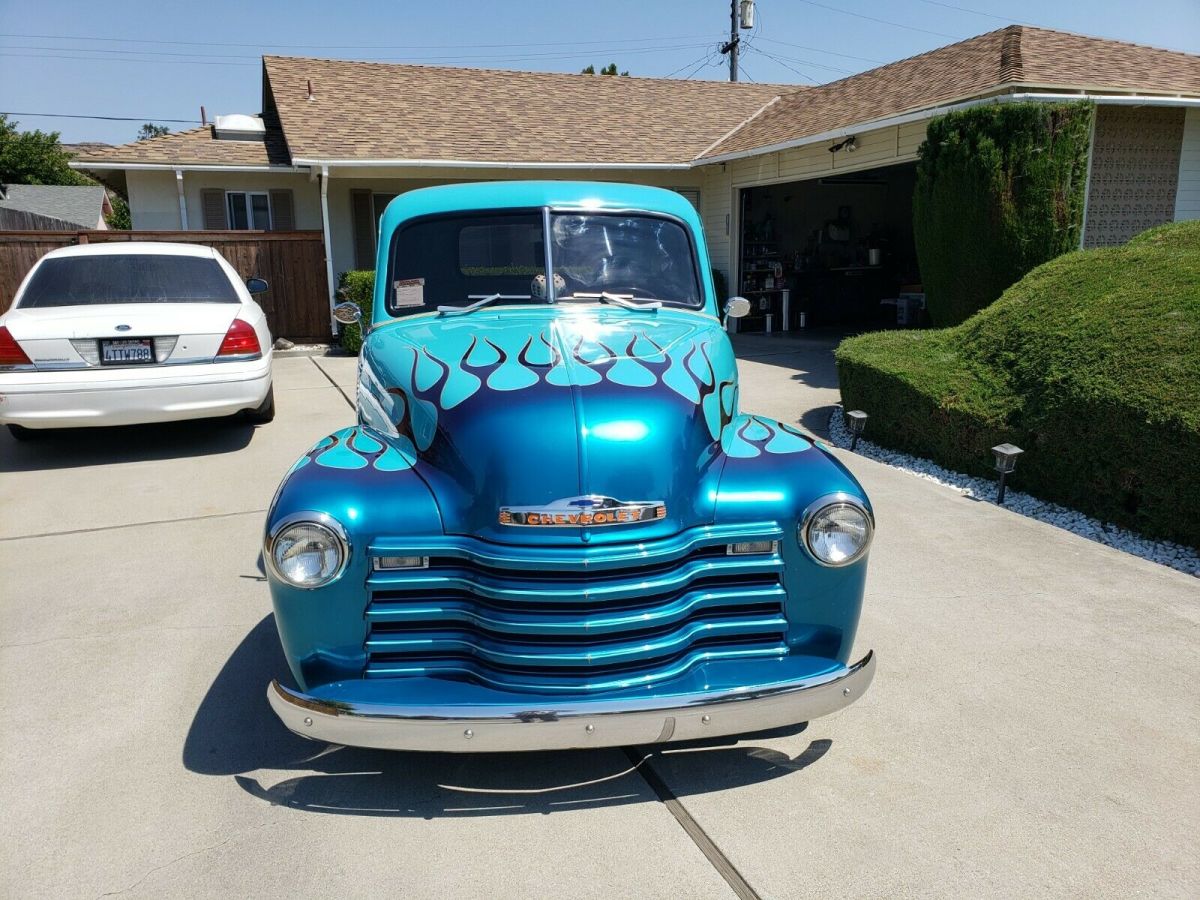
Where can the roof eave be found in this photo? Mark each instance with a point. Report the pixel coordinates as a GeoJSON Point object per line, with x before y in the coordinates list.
{"type": "Point", "coordinates": [1006, 94]}
{"type": "Point", "coordinates": [110, 165]}
{"type": "Point", "coordinates": [481, 164]}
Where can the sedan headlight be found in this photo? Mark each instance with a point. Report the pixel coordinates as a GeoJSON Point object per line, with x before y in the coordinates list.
{"type": "Point", "coordinates": [837, 532]}
{"type": "Point", "coordinates": [307, 550]}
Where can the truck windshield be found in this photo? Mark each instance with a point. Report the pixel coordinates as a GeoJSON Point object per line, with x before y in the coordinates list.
{"type": "Point", "coordinates": [637, 256]}
{"type": "Point", "coordinates": [457, 260]}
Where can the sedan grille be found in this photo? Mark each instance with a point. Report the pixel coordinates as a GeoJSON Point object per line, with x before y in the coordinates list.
{"type": "Point", "coordinates": [556, 619]}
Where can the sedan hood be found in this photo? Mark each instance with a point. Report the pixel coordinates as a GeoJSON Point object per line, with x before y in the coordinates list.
{"type": "Point", "coordinates": [566, 408]}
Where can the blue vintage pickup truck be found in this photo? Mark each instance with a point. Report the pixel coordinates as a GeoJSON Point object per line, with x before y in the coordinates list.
{"type": "Point", "coordinates": [552, 526]}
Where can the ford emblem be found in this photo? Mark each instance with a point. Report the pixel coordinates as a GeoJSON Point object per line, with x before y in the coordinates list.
{"type": "Point", "coordinates": [124, 327]}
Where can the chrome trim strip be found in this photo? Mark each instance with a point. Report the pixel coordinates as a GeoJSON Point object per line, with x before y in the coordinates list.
{"type": "Point", "coordinates": [329, 523]}
{"type": "Point", "coordinates": [598, 723]}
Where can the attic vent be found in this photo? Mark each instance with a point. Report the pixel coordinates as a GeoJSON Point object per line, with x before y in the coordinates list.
{"type": "Point", "coordinates": [239, 127]}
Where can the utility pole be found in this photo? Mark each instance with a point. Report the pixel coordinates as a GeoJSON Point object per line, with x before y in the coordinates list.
{"type": "Point", "coordinates": [741, 13]}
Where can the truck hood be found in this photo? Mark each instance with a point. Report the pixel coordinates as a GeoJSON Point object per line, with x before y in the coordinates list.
{"type": "Point", "coordinates": [557, 407]}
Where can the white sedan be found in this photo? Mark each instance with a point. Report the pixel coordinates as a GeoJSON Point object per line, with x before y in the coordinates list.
{"type": "Point", "coordinates": [128, 333]}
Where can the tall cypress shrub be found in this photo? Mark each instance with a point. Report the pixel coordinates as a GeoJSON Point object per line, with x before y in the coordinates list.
{"type": "Point", "coordinates": [1000, 190]}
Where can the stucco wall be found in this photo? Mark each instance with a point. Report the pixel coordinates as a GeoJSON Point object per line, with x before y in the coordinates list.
{"type": "Point", "coordinates": [1134, 170]}
{"type": "Point", "coordinates": [1187, 201]}
{"type": "Point", "coordinates": [154, 200]}
{"type": "Point", "coordinates": [882, 147]}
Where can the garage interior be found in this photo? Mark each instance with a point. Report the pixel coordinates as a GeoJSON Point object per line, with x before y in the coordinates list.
{"type": "Point", "coordinates": [835, 251]}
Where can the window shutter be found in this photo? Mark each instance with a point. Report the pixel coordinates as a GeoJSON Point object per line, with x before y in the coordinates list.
{"type": "Point", "coordinates": [364, 230]}
{"type": "Point", "coordinates": [283, 215]}
{"type": "Point", "coordinates": [212, 201]}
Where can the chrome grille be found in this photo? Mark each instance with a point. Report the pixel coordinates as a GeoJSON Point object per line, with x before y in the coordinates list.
{"type": "Point", "coordinates": [557, 619]}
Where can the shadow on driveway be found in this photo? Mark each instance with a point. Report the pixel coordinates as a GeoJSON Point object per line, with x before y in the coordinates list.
{"type": "Point", "coordinates": [71, 448]}
{"type": "Point", "coordinates": [235, 733]}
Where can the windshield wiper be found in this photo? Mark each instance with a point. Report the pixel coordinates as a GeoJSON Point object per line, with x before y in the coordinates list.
{"type": "Point", "coordinates": [626, 300]}
{"type": "Point", "coordinates": [470, 307]}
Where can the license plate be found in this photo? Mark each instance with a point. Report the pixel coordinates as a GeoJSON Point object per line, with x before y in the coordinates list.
{"type": "Point", "coordinates": [127, 352]}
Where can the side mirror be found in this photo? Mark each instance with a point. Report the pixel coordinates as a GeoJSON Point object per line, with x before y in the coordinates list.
{"type": "Point", "coordinates": [347, 313]}
{"type": "Point", "coordinates": [257, 285]}
{"type": "Point", "coordinates": [736, 307]}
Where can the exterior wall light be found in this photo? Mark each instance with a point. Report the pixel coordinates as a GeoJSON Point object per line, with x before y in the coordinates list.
{"type": "Point", "coordinates": [1006, 460]}
{"type": "Point", "coordinates": [857, 421]}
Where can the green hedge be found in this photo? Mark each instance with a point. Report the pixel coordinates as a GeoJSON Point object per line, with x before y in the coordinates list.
{"type": "Point", "coordinates": [356, 287]}
{"type": "Point", "coordinates": [1091, 363]}
{"type": "Point", "coordinates": [999, 191]}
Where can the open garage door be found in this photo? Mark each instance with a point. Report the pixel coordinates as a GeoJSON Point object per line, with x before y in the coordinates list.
{"type": "Point", "coordinates": [832, 251]}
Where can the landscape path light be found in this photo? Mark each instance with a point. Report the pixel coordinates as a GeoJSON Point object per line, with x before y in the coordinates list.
{"type": "Point", "coordinates": [1006, 460]}
{"type": "Point", "coordinates": [858, 421]}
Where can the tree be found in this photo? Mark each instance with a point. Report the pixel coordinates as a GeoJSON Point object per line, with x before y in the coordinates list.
{"type": "Point", "coordinates": [34, 157]}
{"type": "Point", "coordinates": [119, 218]}
{"type": "Point", "coordinates": [610, 69]}
{"type": "Point", "coordinates": [150, 130]}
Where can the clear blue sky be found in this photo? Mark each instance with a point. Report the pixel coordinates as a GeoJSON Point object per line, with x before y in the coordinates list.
{"type": "Point", "coordinates": [162, 60]}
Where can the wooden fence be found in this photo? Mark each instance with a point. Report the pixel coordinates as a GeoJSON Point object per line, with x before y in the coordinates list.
{"type": "Point", "coordinates": [292, 262]}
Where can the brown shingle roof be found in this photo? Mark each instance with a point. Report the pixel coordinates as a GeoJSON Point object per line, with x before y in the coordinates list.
{"type": "Point", "coordinates": [196, 146]}
{"type": "Point", "coordinates": [385, 111]}
{"type": "Point", "coordinates": [368, 110]}
{"type": "Point", "coordinates": [990, 63]}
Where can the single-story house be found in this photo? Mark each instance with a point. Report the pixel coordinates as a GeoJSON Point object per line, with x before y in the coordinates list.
{"type": "Point", "coordinates": [52, 207]}
{"type": "Point", "coordinates": [800, 188]}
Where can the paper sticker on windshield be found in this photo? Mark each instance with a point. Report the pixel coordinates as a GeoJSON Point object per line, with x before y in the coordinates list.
{"type": "Point", "coordinates": [410, 292]}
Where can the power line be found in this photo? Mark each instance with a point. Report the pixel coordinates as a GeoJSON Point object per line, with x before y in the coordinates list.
{"type": "Point", "coordinates": [827, 52]}
{"type": "Point", "coordinates": [846, 12]}
{"type": "Point", "coordinates": [105, 118]}
{"type": "Point", "coordinates": [976, 12]}
{"type": "Point", "coordinates": [803, 75]}
{"type": "Point", "coordinates": [688, 65]}
{"type": "Point", "coordinates": [158, 62]}
{"type": "Point", "coordinates": [202, 58]}
{"type": "Point", "coordinates": [804, 62]}
{"type": "Point", "coordinates": [706, 62]}
{"type": "Point", "coordinates": [127, 40]}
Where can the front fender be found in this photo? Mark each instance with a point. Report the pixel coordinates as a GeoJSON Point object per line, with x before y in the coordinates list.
{"type": "Point", "coordinates": [773, 472]}
{"type": "Point", "coordinates": [364, 480]}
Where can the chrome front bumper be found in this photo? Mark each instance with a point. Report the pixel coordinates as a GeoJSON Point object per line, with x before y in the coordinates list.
{"type": "Point", "coordinates": [594, 724]}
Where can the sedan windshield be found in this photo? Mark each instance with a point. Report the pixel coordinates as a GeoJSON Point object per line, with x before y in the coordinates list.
{"type": "Point", "coordinates": [493, 258]}
{"type": "Point", "coordinates": [127, 278]}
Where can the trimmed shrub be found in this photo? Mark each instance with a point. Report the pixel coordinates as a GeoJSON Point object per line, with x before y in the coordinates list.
{"type": "Point", "coordinates": [1000, 190]}
{"type": "Point", "coordinates": [1091, 363]}
{"type": "Point", "coordinates": [356, 287]}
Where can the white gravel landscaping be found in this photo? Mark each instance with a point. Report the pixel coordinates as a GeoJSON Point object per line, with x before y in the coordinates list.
{"type": "Point", "coordinates": [1168, 553]}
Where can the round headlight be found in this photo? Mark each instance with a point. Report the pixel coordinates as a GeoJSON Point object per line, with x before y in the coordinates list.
{"type": "Point", "coordinates": [308, 554]}
{"type": "Point", "coordinates": [838, 533]}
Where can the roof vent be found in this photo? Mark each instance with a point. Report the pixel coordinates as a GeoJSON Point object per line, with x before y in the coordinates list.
{"type": "Point", "coordinates": [239, 127]}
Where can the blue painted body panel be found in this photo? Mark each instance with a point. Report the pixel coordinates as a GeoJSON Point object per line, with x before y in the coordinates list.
{"type": "Point", "coordinates": [525, 405]}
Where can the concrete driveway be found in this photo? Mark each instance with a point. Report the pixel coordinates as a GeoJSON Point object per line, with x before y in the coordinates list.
{"type": "Point", "coordinates": [1034, 728]}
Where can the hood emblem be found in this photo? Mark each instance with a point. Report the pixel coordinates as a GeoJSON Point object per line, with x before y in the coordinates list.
{"type": "Point", "coordinates": [123, 327]}
{"type": "Point", "coordinates": [592, 510]}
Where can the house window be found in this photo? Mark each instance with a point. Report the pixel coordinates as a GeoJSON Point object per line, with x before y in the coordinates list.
{"type": "Point", "coordinates": [379, 203]}
{"type": "Point", "coordinates": [249, 210]}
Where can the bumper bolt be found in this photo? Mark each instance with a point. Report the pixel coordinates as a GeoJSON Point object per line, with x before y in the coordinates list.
{"type": "Point", "coordinates": [590, 728]}
{"type": "Point", "coordinates": [704, 720]}
{"type": "Point", "coordinates": [308, 720]}
{"type": "Point", "coordinates": [468, 734]}
{"type": "Point", "coordinates": [845, 692]}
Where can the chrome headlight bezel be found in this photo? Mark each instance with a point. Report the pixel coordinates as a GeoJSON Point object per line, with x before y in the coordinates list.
{"type": "Point", "coordinates": [830, 502]}
{"type": "Point", "coordinates": [320, 520]}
